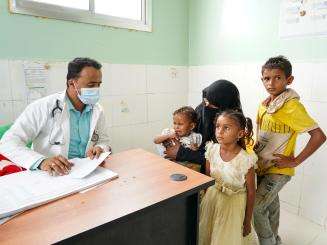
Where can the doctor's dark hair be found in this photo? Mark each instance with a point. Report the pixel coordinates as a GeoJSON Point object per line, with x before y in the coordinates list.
{"type": "Point", "coordinates": [278, 62]}
{"type": "Point", "coordinates": [77, 65]}
{"type": "Point", "coordinates": [245, 124]}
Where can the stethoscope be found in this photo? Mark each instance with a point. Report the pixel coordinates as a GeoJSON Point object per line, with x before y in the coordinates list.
{"type": "Point", "coordinates": [54, 111]}
{"type": "Point", "coordinates": [57, 109]}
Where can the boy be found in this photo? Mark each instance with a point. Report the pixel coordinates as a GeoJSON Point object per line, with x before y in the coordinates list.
{"type": "Point", "coordinates": [281, 117]}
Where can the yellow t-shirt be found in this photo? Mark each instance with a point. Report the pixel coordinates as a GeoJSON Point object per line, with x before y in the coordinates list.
{"type": "Point", "coordinates": [277, 133]}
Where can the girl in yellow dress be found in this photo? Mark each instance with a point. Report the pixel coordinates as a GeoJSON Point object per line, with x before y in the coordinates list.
{"type": "Point", "coordinates": [227, 207]}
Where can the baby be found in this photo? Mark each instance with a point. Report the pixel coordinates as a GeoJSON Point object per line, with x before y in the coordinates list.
{"type": "Point", "coordinates": [185, 119]}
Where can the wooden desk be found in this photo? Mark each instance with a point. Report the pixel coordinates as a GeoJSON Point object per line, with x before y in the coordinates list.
{"type": "Point", "coordinates": [143, 206]}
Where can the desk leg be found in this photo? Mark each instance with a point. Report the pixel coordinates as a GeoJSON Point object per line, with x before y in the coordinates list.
{"type": "Point", "coordinates": [173, 221]}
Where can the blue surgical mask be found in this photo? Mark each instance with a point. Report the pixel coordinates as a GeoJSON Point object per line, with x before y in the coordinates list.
{"type": "Point", "coordinates": [89, 96]}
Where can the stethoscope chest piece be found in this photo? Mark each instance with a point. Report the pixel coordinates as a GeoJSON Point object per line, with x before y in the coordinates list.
{"type": "Point", "coordinates": [95, 137]}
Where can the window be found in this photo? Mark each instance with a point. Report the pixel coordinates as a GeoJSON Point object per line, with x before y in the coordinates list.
{"type": "Point", "coordinates": [131, 14]}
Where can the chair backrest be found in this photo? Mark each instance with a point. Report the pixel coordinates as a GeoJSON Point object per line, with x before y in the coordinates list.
{"type": "Point", "coordinates": [3, 129]}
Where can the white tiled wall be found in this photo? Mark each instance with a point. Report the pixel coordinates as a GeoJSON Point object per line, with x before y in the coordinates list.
{"type": "Point", "coordinates": [246, 77]}
{"type": "Point", "coordinates": [124, 79]}
{"type": "Point", "coordinates": [138, 99]}
{"type": "Point", "coordinates": [5, 91]}
{"type": "Point", "coordinates": [305, 193]}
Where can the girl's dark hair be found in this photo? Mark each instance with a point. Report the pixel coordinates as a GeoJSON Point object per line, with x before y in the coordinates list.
{"type": "Point", "coordinates": [245, 124]}
{"type": "Point", "coordinates": [189, 112]}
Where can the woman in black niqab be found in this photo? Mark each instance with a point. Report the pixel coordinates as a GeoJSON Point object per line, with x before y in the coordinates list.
{"type": "Point", "coordinates": [219, 96]}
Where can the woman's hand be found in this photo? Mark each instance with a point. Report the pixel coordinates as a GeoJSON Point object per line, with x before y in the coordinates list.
{"type": "Point", "coordinates": [172, 150]}
{"type": "Point", "coordinates": [173, 136]}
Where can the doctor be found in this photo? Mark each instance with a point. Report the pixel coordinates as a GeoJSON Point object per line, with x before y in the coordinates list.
{"type": "Point", "coordinates": [62, 125]}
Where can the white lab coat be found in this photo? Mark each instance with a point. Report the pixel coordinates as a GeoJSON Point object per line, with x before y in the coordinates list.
{"type": "Point", "coordinates": [37, 124]}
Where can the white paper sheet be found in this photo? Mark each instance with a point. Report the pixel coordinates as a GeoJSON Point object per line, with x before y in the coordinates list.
{"type": "Point", "coordinates": [302, 18]}
{"type": "Point", "coordinates": [4, 220]}
{"type": "Point", "coordinates": [36, 74]}
{"type": "Point", "coordinates": [25, 190]}
{"type": "Point", "coordinates": [84, 166]}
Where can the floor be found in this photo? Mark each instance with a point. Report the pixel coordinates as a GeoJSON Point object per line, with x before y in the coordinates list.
{"type": "Point", "coordinates": [295, 230]}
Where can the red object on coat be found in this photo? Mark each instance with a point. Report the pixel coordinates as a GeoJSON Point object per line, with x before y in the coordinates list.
{"type": "Point", "coordinates": [3, 158]}
{"type": "Point", "coordinates": [9, 169]}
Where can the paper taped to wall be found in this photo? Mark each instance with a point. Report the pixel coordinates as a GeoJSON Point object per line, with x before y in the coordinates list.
{"type": "Point", "coordinates": [36, 74]}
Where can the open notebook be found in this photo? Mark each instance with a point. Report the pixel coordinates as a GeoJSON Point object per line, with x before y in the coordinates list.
{"type": "Point", "coordinates": [25, 190]}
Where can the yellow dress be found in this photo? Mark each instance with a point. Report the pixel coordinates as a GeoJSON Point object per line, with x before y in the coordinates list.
{"type": "Point", "coordinates": [222, 209]}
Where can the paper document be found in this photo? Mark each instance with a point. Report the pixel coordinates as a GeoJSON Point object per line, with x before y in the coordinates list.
{"type": "Point", "coordinates": [36, 74]}
{"type": "Point", "coordinates": [4, 220]}
{"type": "Point", "coordinates": [27, 189]}
{"type": "Point", "coordinates": [84, 166]}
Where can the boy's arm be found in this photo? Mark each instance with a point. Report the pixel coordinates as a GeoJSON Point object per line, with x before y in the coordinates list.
{"type": "Point", "coordinates": [317, 138]}
{"type": "Point", "coordinates": [250, 197]}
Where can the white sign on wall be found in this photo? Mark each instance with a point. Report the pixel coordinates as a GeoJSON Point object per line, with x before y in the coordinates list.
{"type": "Point", "coordinates": [303, 18]}
{"type": "Point", "coordinates": [36, 75]}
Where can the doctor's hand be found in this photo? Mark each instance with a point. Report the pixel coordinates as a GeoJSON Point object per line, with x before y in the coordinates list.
{"type": "Point", "coordinates": [94, 151]}
{"type": "Point", "coordinates": [57, 165]}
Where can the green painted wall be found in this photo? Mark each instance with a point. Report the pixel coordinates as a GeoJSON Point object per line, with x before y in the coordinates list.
{"type": "Point", "coordinates": [206, 25]}
{"type": "Point", "coordinates": [216, 38]}
{"type": "Point", "coordinates": [28, 37]}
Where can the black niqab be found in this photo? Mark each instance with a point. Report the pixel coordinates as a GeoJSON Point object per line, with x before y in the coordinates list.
{"type": "Point", "coordinates": [222, 94]}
